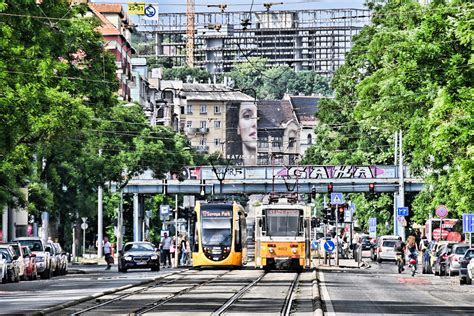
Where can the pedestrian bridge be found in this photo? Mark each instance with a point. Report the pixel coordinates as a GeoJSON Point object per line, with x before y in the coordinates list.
{"type": "Point", "coordinates": [206, 180]}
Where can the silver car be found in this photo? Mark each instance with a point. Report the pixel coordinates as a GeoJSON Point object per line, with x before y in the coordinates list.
{"type": "Point", "coordinates": [18, 253]}
{"type": "Point", "coordinates": [453, 265]}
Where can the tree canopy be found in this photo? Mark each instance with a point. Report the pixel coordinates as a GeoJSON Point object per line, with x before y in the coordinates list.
{"type": "Point", "coordinates": [411, 69]}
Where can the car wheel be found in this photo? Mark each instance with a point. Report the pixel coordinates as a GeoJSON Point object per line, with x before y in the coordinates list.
{"type": "Point", "coordinates": [468, 279]}
{"type": "Point", "coordinates": [155, 269]}
{"type": "Point", "coordinates": [379, 260]}
{"type": "Point", "coordinates": [46, 274]}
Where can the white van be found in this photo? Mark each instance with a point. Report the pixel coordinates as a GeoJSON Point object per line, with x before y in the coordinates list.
{"type": "Point", "coordinates": [385, 248]}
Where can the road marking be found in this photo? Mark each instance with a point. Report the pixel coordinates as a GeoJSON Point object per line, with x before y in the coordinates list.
{"type": "Point", "coordinates": [414, 280]}
{"type": "Point", "coordinates": [325, 295]}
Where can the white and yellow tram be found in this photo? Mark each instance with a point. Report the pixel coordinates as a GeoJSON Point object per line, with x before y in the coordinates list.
{"type": "Point", "coordinates": [282, 235]}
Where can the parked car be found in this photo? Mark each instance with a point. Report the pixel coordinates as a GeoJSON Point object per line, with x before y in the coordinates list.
{"type": "Point", "coordinates": [62, 259]}
{"type": "Point", "coordinates": [29, 257]}
{"type": "Point", "coordinates": [463, 263]}
{"type": "Point", "coordinates": [18, 254]}
{"type": "Point", "coordinates": [55, 258]}
{"type": "Point", "coordinates": [453, 259]}
{"type": "Point", "coordinates": [439, 267]}
{"type": "Point", "coordinates": [138, 255]}
{"type": "Point", "coordinates": [13, 270]}
{"type": "Point", "coordinates": [41, 250]}
{"type": "Point", "coordinates": [470, 272]}
{"type": "Point", "coordinates": [365, 242]}
{"type": "Point", "coordinates": [3, 269]}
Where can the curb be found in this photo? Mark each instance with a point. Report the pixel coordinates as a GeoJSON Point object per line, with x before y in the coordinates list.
{"type": "Point", "coordinates": [65, 305]}
{"type": "Point", "coordinates": [76, 271]}
{"type": "Point", "coordinates": [317, 301]}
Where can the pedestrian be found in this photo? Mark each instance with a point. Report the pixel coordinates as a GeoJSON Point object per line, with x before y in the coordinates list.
{"type": "Point", "coordinates": [173, 250]}
{"type": "Point", "coordinates": [184, 250]}
{"type": "Point", "coordinates": [165, 246]}
{"type": "Point", "coordinates": [107, 252]}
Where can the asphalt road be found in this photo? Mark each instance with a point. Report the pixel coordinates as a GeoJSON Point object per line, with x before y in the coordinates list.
{"type": "Point", "coordinates": [381, 290]}
{"type": "Point", "coordinates": [32, 296]}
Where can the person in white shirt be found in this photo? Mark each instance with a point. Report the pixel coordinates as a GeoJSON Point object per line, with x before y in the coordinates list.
{"type": "Point", "coordinates": [107, 252]}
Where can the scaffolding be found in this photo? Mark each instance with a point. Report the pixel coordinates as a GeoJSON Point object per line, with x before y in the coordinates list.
{"type": "Point", "coordinates": [314, 39]}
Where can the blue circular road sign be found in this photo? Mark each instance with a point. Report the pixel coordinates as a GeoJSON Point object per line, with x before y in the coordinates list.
{"type": "Point", "coordinates": [329, 246]}
{"type": "Point", "coordinates": [150, 11]}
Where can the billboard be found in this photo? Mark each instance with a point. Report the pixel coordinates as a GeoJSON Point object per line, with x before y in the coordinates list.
{"type": "Point", "coordinates": [241, 133]}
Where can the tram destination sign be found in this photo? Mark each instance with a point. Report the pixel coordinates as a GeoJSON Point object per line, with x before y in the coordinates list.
{"type": "Point", "coordinates": [283, 212]}
{"type": "Point", "coordinates": [216, 213]}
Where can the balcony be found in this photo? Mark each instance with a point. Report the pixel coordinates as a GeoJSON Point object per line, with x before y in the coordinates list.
{"type": "Point", "coordinates": [201, 148]}
{"type": "Point", "coordinates": [203, 130]}
{"type": "Point", "coordinates": [191, 130]}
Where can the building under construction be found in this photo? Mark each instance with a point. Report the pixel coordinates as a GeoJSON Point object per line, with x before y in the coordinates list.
{"type": "Point", "coordinates": [314, 40]}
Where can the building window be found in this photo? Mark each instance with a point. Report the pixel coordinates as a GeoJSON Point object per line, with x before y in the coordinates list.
{"type": "Point", "coordinates": [292, 159]}
{"type": "Point", "coordinates": [217, 141]}
{"type": "Point", "coordinates": [291, 142]}
{"type": "Point", "coordinates": [263, 159]}
{"type": "Point", "coordinates": [277, 142]}
{"type": "Point", "coordinates": [189, 124]}
{"type": "Point", "coordinates": [189, 109]}
{"type": "Point", "coordinates": [310, 139]}
{"type": "Point", "coordinates": [217, 124]}
{"type": "Point", "coordinates": [203, 109]}
{"type": "Point", "coordinates": [262, 142]}
{"type": "Point", "coordinates": [203, 142]}
{"type": "Point", "coordinates": [217, 109]}
{"type": "Point", "coordinates": [203, 124]}
{"type": "Point", "coordinates": [182, 110]}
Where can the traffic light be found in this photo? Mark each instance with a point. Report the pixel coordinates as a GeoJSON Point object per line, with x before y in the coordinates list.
{"type": "Point", "coordinates": [330, 188]}
{"type": "Point", "coordinates": [371, 188]}
{"type": "Point", "coordinates": [313, 221]}
{"type": "Point", "coordinates": [340, 214]}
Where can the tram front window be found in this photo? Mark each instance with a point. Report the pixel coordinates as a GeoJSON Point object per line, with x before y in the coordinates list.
{"type": "Point", "coordinates": [217, 231]}
{"type": "Point", "coordinates": [283, 223]}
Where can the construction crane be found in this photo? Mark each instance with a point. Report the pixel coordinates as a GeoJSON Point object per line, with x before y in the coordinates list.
{"type": "Point", "coordinates": [222, 7]}
{"type": "Point", "coordinates": [190, 11]}
{"type": "Point", "coordinates": [270, 4]}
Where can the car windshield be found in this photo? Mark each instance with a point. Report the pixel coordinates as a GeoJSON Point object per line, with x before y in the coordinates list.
{"type": "Point", "coordinates": [461, 250]}
{"type": "Point", "coordinates": [469, 254]}
{"type": "Point", "coordinates": [139, 247]}
{"type": "Point", "coordinates": [389, 243]}
{"type": "Point", "coordinates": [17, 250]}
{"type": "Point", "coordinates": [5, 254]}
{"type": "Point", "coordinates": [34, 245]}
{"type": "Point", "coordinates": [217, 231]}
{"type": "Point", "coordinates": [283, 223]}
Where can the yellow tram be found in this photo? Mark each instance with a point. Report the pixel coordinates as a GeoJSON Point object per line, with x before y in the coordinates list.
{"type": "Point", "coordinates": [220, 235]}
{"type": "Point", "coordinates": [282, 235]}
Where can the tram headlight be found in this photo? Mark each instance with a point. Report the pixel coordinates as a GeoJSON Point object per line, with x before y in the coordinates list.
{"type": "Point", "coordinates": [294, 250]}
{"type": "Point", "coordinates": [271, 250]}
{"type": "Point", "coordinates": [226, 249]}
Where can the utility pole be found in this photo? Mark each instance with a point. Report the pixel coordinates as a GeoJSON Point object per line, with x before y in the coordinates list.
{"type": "Point", "coordinates": [100, 219]}
{"type": "Point", "coordinates": [401, 188]}
{"type": "Point", "coordinates": [136, 226]}
{"type": "Point", "coordinates": [395, 195]}
{"type": "Point", "coordinates": [176, 232]}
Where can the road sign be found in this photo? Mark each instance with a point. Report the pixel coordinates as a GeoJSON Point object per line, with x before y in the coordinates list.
{"type": "Point", "coordinates": [151, 12]}
{"type": "Point", "coordinates": [372, 226]}
{"type": "Point", "coordinates": [337, 198]}
{"type": "Point", "coordinates": [329, 246]}
{"type": "Point", "coordinates": [314, 244]}
{"type": "Point", "coordinates": [402, 211]}
{"type": "Point", "coordinates": [352, 207]}
{"type": "Point", "coordinates": [136, 8]}
{"type": "Point", "coordinates": [402, 220]}
{"type": "Point", "coordinates": [441, 211]}
{"type": "Point", "coordinates": [468, 223]}
{"type": "Point", "coordinates": [164, 210]}
{"type": "Point", "coordinates": [347, 215]}
{"type": "Point", "coordinates": [84, 226]}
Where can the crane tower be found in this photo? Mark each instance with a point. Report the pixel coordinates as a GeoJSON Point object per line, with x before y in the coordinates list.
{"type": "Point", "coordinates": [190, 11]}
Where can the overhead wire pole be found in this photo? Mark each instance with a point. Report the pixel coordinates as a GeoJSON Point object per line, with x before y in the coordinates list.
{"type": "Point", "coordinates": [190, 12]}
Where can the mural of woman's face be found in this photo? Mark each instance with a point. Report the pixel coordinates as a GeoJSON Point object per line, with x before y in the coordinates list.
{"type": "Point", "coordinates": [247, 128]}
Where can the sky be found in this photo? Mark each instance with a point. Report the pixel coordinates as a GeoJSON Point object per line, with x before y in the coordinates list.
{"type": "Point", "coordinates": [166, 6]}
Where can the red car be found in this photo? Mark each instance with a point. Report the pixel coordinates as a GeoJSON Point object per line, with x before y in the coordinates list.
{"type": "Point", "coordinates": [30, 264]}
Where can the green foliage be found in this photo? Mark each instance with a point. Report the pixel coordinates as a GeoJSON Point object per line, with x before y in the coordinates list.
{"type": "Point", "coordinates": [272, 83]}
{"type": "Point", "coordinates": [411, 69]}
{"type": "Point", "coordinates": [185, 74]}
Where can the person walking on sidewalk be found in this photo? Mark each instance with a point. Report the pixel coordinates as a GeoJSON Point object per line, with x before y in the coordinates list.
{"type": "Point", "coordinates": [184, 250]}
{"type": "Point", "coordinates": [165, 248]}
{"type": "Point", "coordinates": [107, 252]}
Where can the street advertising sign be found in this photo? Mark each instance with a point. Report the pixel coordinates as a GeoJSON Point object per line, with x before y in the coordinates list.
{"type": "Point", "coordinates": [402, 211]}
{"type": "Point", "coordinates": [441, 211]}
{"type": "Point", "coordinates": [437, 231]}
{"type": "Point", "coordinates": [468, 223]}
{"type": "Point", "coordinates": [337, 198]}
{"type": "Point", "coordinates": [329, 246]}
{"type": "Point", "coordinates": [136, 8]}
